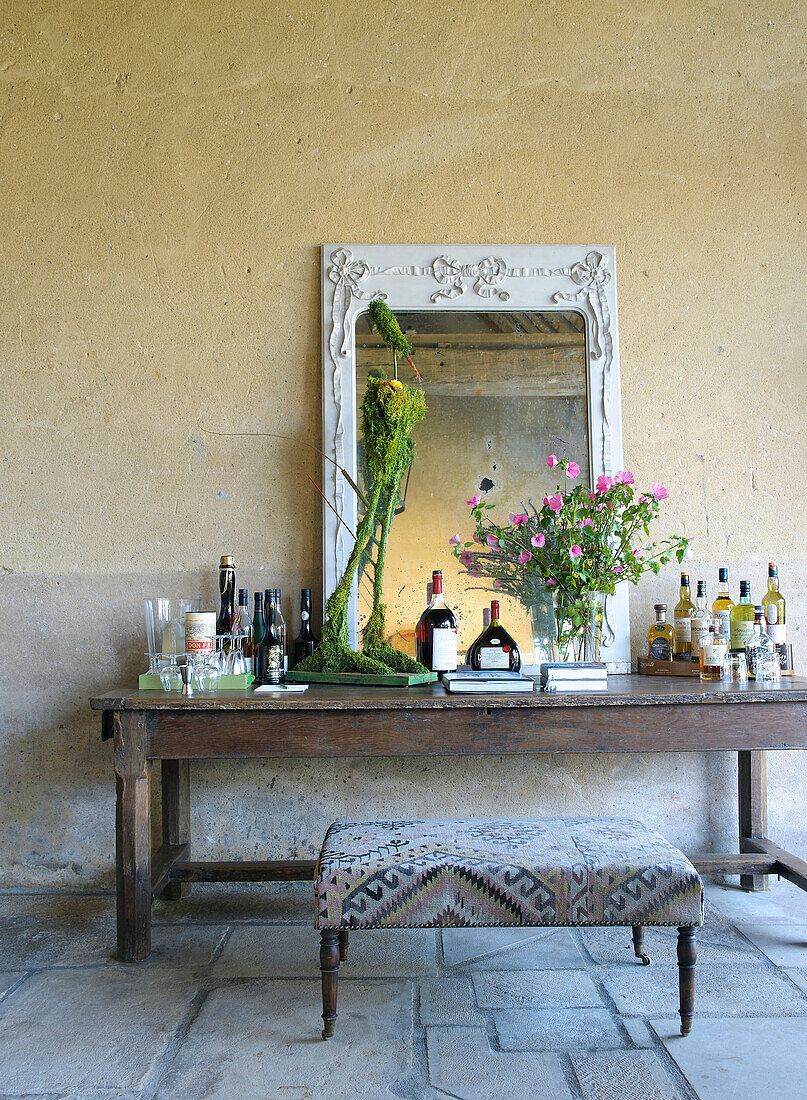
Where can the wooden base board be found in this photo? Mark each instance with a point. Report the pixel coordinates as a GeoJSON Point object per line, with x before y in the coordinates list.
{"type": "Point", "coordinates": [650, 666]}
{"type": "Point", "coordinates": [393, 679]}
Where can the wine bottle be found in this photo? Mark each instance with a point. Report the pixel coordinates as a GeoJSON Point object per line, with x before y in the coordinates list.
{"type": "Point", "coordinates": [774, 604]}
{"type": "Point", "coordinates": [437, 632]}
{"type": "Point", "coordinates": [258, 622]}
{"type": "Point", "coordinates": [269, 658]}
{"type": "Point", "coordinates": [224, 622]}
{"type": "Point", "coordinates": [494, 648]}
{"type": "Point", "coordinates": [281, 629]}
{"type": "Point", "coordinates": [742, 620]}
{"type": "Point", "coordinates": [305, 643]}
{"type": "Point", "coordinates": [682, 615]}
{"type": "Point", "coordinates": [721, 608]}
{"type": "Point", "coordinates": [242, 628]}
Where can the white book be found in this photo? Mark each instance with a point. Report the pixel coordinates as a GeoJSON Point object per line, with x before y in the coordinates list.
{"type": "Point", "coordinates": [488, 683]}
{"type": "Point", "coordinates": [267, 689]}
{"type": "Point", "coordinates": [556, 686]}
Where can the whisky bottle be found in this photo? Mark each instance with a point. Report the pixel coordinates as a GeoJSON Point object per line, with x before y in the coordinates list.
{"type": "Point", "coordinates": [742, 619]}
{"type": "Point", "coordinates": [774, 604]}
{"type": "Point", "coordinates": [661, 636]}
{"type": "Point", "coordinates": [721, 608]}
{"type": "Point", "coordinates": [759, 645]}
{"type": "Point", "coordinates": [682, 615]}
{"type": "Point", "coordinates": [713, 652]}
{"type": "Point", "coordinates": [699, 622]}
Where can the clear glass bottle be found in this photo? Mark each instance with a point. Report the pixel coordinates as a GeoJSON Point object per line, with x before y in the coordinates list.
{"type": "Point", "coordinates": [436, 632]}
{"type": "Point", "coordinates": [661, 636]}
{"type": "Point", "coordinates": [682, 615]}
{"type": "Point", "coordinates": [281, 625]}
{"type": "Point", "coordinates": [775, 608]}
{"type": "Point", "coordinates": [713, 652]}
{"type": "Point", "coordinates": [242, 628]}
{"type": "Point", "coordinates": [759, 645]}
{"type": "Point", "coordinates": [742, 619]}
{"type": "Point", "coordinates": [721, 608]}
{"type": "Point", "coordinates": [699, 622]}
{"type": "Point", "coordinates": [494, 648]}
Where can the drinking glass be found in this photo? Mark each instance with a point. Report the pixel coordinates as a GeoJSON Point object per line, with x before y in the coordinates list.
{"type": "Point", "coordinates": [735, 669]}
{"type": "Point", "coordinates": [768, 669]}
{"type": "Point", "coordinates": [165, 625]}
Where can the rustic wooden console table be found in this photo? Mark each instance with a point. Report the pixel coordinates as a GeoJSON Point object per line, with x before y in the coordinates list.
{"type": "Point", "coordinates": [638, 714]}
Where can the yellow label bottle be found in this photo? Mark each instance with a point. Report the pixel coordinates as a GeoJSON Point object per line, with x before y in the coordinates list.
{"type": "Point", "coordinates": [682, 615]}
{"type": "Point", "coordinates": [742, 620]}
{"type": "Point", "coordinates": [721, 608]}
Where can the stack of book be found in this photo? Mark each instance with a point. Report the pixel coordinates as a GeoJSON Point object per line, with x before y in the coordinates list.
{"type": "Point", "coordinates": [493, 682]}
{"type": "Point", "coordinates": [574, 676]}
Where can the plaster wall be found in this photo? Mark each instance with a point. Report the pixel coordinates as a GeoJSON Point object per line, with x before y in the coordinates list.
{"type": "Point", "coordinates": [168, 172]}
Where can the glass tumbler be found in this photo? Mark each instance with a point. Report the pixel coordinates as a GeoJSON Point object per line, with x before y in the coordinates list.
{"type": "Point", "coordinates": [735, 669]}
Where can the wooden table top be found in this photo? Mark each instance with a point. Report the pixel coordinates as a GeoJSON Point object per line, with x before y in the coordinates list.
{"type": "Point", "coordinates": [622, 691]}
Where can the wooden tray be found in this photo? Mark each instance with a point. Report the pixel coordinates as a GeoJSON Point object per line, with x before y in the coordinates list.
{"type": "Point", "coordinates": [393, 679]}
{"type": "Point", "coordinates": [650, 666]}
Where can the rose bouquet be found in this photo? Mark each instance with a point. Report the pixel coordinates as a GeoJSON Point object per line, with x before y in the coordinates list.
{"type": "Point", "coordinates": [579, 544]}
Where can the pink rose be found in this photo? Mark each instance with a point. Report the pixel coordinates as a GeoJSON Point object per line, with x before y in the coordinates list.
{"type": "Point", "coordinates": [573, 470]}
{"type": "Point", "coordinates": [604, 483]}
{"type": "Point", "coordinates": [474, 500]}
{"type": "Point", "coordinates": [493, 542]}
{"type": "Point", "coordinates": [497, 583]}
{"type": "Point", "coordinates": [658, 492]}
{"type": "Point", "coordinates": [538, 540]}
{"type": "Point", "coordinates": [455, 540]}
{"type": "Point", "coordinates": [576, 551]}
{"type": "Point", "coordinates": [592, 498]}
{"type": "Point", "coordinates": [518, 519]}
{"type": "Point", "coordinates": [624, 477]}
{"type": "Point", "coordinates": [552, 461]}
{"type": "Point", "coordinates": [555, 502]}
{"type": "Point", "coordinates": [618, 569]}
{"type": "Point", "coordinates": [586, 523]}
{"type": "Point", "coordinates": [467, 558]}
{"type": "Point", "coordinates": [524, 557]}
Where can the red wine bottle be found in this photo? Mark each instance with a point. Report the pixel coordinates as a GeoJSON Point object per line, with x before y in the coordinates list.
{"type": "Point", "coordinates": [437, 632]}
{"type": "Point", "coordinates": [305, 643]}
{"type": "Point", "coordinates": [494, 648]}
{"type": "Point", "coordinates": [269, 655]}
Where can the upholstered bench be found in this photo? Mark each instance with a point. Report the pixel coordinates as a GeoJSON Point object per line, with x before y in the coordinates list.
{"type": "Point", "coordinates": [478, 872]}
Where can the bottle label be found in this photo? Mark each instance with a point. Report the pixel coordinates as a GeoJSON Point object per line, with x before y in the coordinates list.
{"type": "Point", "coordinates": [274, 663]}
{"type": "Point", "coordinates": [444, 649]}
{"type": "Point", "coordinates": [699, 629]}
{"type": "Point", "coordinates": [771, 613]}
{"type": "Point", "coordinates": [742, 631]}
{"type": "Point", "coordinates": [713, 653]}
{"type": "Point", "coordinates": [777, 632]}
{"type": "Point", "coordinates": [683, 630]}
{"type": "Point", "coordinates": [660, 649]}
{"type": "Point", "coordinates": [494, 657]}
{"type": "Point", "coordinates": [724, 618]}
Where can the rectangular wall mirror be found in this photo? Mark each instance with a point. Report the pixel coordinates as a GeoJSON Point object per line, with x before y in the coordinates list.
{"type": "Point", "coordinates": [518, 352]}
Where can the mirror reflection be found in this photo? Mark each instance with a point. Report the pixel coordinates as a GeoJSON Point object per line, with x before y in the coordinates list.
{"type": "Point", "coordinates": [503, 390]}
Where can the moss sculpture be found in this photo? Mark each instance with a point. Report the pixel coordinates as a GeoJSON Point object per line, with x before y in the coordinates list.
{"type": "Point", "coordinates": [389, 411]}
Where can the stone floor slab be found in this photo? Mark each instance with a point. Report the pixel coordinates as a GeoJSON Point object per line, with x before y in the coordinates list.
{"type": "Point", "coordinates": [799, 977]}
{"type": "Point", "coordinates": [784, 944]}
{"type": "Point", "coordinates": [783, 903]}
{"type": "Point", "coordinates": [292, 951]}
{"type": "Point", "coordinates": [510, 949]}
{"type": "Point", "coordinates": [260, 1040]}
{"type": "Point", "coordinates": [183, 947]}
{"type": "Point", "coordinates": [640, 1034]}
{"type": "Point", "coordinates": [730, 1059]}
{"type": "Point", "coordinates": [623, 1075]}
{"type": "Point", "coordinates": [232, 902]}
{"type": "Point", "coordinates": [718, 942]}
{"type": "Point", "coordinates": [557, 1029]}
{"type": "Point", "coordinates": [88, 1029]}
{"type": "Point", "coordinates": [449, 1002]}
{"type": "Point", "coordinates": [719, 991]}
{"type": "Point", "coordinates": [535, 989]}
{"type": "Point", "coordinates": [37, 931]}
{"type": "Point", "coordinates": [9, 979]}
{"type": "Point", "coordinates": [462, 1065]}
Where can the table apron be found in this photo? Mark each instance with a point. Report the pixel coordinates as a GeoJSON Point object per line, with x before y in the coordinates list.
{"type": "Point", "coordinates": [697, 727]}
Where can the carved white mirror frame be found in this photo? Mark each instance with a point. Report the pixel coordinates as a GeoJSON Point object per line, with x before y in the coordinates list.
{"type": "Point", "coordinates": [462, 277]}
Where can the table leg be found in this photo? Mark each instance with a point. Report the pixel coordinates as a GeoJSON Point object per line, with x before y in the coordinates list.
{"type": "Point", "coordinates": [752, 784]}
{"type": "Point", "coordinates": [133, 835]}
{"type": "Point", "coordinates": [176, 798]}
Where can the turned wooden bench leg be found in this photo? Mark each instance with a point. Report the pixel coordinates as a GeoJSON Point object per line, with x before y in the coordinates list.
{"type": "Point", "coordinates": [687, 955]}
{"type": "Point", "coordinates": [343, 942]}
{"type": "Point", "coordinates": [329, 965]}
{"type": "Point", "coordinates": [638, 944]}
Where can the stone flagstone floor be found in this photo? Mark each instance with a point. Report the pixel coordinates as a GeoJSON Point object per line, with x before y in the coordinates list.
{"type": "Point", "coordinates": [227, 1007]}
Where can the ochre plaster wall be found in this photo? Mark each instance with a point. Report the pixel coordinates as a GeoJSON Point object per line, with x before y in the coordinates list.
{"type": "Point", "coordinates": [168, 172]}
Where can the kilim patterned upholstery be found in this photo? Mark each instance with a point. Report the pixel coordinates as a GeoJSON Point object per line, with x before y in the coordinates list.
{"type": "Point", "coordinates": [483, 872]}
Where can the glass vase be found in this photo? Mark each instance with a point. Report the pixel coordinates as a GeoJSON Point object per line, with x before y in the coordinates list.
{"type": "Point", "coordinates": [583, 641]}
{"type": "Point", "coordinates": [541, 610]}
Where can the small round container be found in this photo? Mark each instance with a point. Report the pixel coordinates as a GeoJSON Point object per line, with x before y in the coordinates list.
{"type": "Point", "coordinates": [200, 632]}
